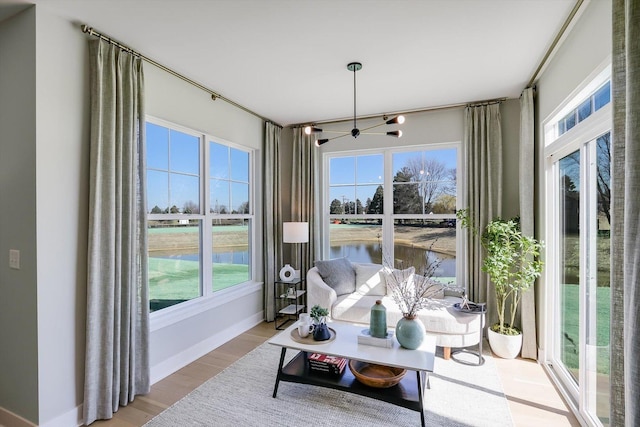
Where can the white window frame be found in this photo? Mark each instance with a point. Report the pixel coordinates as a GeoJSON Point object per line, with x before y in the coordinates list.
{"type": "Point", "coordinates": [388, 216]}
{"type": "Point", "coordinates": [209, 299]}
{"type": "Point", "coordinates": [558, 147]}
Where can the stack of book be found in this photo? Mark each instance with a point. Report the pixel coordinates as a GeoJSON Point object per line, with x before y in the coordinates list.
{"type": "Point", "coordinates": [326, 364]}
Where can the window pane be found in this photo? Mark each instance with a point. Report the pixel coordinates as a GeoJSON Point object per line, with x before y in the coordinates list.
{"type": "Point", "coordinates": [185, 153]}
{"type": "Point", "coordinates": [239, 198]}
{"type": "Point", "coordinates": [174, 266]}
{"type": "Point", "coordinates": [569, 245]}
{"type": "Point", "coordinates": [342, 170]}
{"type": "Point", "coordinates": [374, 205]}
{"type": "Point", "coordinates": [342, 199]}
{"type": "Point", "coordinates": [239, 165]}
{"type": "Point", "coordinates": [220, 197]}
{"type": "Point", "coordinates": [370, 169]}
{"type": "Point", "coordinates": [602, 96]}
{"type": "Point", "coordinates": [157, 192]}
{"type": "Point", "coordinates": [365, 195]}
{"type": "Point", "coordinates": [602, 291]}
{"type": "Point", "coordinates": [562, 127]}
{"type": "Point", "coordinates": [407, 200]}
{"type": "Point", "coordinates": [426, 244]}
{"type": "Point", "coordinates": [185, 190]}
{"type": "Point", "coordinates": [230, 255]}
{"type": "Point", "coordinates": [359, 240]}
{"type": "Point", "coordinates": [219, 162]}
{"type": "Point", "coordinates": [570, 120]}
{"type": "Point", "coordinates": [157, 147]}
{"type": "Point", "coordinates": [584, 110]}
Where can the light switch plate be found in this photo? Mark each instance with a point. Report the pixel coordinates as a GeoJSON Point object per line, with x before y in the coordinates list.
{"type": "Point", "coordinates": [14, 259]}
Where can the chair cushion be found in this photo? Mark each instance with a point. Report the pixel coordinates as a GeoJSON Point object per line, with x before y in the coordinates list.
{"type": "Point", "coordinates": [395, 277]}
{"type": "Point", "coordinates": [338, 274]}
{"type": "Point", "coordinates": [370, 279]}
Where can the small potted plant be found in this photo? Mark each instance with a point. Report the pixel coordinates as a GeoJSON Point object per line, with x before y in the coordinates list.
{"type": "Point", "coordinates": [513, 263]}
{"type": "Point", "coordinates": [320, 329]}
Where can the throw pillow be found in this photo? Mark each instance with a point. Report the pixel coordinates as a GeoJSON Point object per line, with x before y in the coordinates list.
{"type": "Point", "coordinates": [370, 280]}
{"type": "Point", "coordinates": [338, 274]}
{"type": "Point", "coordinates": [396, 276]}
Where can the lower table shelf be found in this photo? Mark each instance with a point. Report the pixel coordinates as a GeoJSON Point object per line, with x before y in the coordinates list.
{"type": "Point", "coordinates": [405, 394]}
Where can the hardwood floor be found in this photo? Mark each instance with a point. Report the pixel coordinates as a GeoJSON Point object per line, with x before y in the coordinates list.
{"type": "Point", "coordinates": [533, 400]}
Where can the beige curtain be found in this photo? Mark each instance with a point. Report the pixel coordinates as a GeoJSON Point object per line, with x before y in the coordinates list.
{"type": "Point", "coordinates": [272, 217]}
{"type": "Point", "coordinates": [304, 195]}
{"type": "Point", "coordinates": [625, 217]}
{"type": "Point", "coordinates": [483, 141]}
{"type": "Point", "coordinates": [117, 343]}
{"type": "Point", "coordinates": [527, 187]}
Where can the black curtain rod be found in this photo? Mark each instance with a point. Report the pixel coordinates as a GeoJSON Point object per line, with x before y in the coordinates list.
{"type": "Point", "coordinates": [214, 95]}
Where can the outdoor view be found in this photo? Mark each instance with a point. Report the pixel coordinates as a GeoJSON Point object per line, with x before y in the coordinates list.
{"type": "Point", "coordinates": [183, 252]}
{"type": "Point", "coordinates": [597, 280]}
{"type": "Point", "coordinates": [422, 221]}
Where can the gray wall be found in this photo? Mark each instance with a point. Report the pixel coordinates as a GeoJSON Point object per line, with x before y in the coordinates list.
{"type": "Point", "coordinates": [18, 288]}
{"type": "Point", "coordinates": [44, 175]}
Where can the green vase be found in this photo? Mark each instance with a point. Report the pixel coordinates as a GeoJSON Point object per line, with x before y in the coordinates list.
{"type": "Point", "coordinates": [378, 320]}
{"type": "Point", "coordinates": [410, 332]}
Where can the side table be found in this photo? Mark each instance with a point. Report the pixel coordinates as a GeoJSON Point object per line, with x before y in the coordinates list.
{"type": "Point", "coordinates": [289, 300]}
{"type": "Point", "coordinates": [478, 309]}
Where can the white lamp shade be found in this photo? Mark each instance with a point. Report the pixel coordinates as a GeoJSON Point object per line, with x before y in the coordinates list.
{"type": "Point", "coordinates": [295, 232]}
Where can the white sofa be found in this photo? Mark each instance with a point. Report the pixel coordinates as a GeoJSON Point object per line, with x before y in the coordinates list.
{"type": "Point", "coordinates": [451, 327]}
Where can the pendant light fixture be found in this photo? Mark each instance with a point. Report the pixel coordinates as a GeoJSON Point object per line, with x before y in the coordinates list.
{"type": "Point", "coordinates": [355, 132]}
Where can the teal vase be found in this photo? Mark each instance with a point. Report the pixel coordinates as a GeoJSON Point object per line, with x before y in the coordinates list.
{"type": "Point", "coordinates": [410, 332]}
{"type": "Point", "coordinates": [378, 320]}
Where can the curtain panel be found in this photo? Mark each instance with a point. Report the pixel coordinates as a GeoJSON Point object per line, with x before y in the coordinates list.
{"type": "Point", "coordinates": [527, 189]}
{"type": "Point", "coordinates": [483, 141]}
{"type": "Point", "coordinates": [117, 335]}
{"type": "Point", "coordinates": [625, 224]}
{"type": "Point", "coordinates": [272, 217]}
{"type": "Point", "coordinates": [304, 191]}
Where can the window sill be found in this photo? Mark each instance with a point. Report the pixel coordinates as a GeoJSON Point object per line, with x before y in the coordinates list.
{"type": "Point", "coordinates": [171, 315]}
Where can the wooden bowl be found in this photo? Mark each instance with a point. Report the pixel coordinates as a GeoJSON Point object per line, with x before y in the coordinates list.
{"type": "Point", "coordinates": [378, 376]}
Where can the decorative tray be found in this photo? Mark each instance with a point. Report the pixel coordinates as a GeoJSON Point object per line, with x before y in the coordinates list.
{"type": "Point", "coordinates": [309, 339]}
{"type": "Point", "coordinates": [472, 308]}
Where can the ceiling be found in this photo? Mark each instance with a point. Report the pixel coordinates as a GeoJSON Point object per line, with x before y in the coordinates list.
{"type": "Point", "coordinates": [287, 59]}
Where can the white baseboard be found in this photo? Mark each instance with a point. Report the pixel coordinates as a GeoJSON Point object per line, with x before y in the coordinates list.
{"type": "Point", "coordinates": [158, 372]}
{"type": "Point", "coordinates": [9, 419]}
{"type": "Point", "coordinates": [182, 359]}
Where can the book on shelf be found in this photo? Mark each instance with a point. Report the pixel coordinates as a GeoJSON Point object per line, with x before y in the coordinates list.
{"type": "Point", "coordinates": [366, 339]}
{"type": "Point", "coordinates": [319, 362]}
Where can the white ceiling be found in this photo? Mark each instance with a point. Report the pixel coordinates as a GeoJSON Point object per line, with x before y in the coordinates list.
{"type": "Point", "coordinates": [286, 59]}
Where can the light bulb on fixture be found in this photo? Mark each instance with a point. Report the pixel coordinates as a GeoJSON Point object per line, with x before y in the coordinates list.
{"type": "Point", "coordinates": [309, 130]}
{"type": "Point", "coordinates": [398, 119]}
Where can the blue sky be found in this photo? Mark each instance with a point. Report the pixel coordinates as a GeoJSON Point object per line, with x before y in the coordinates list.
{"type": "Point", "coordinates": [367, 171]}
{"type": "Point", "coordinates": [173, 165]}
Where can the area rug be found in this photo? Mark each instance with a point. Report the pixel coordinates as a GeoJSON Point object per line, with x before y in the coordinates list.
{"type": "Point", "coordinates": [240, 396]}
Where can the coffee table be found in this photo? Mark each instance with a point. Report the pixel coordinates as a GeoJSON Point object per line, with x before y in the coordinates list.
{"type": "Point", "coordinates": [409, 393]}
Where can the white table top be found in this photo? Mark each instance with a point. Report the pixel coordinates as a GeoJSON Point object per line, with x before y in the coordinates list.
{"type": "Point", "coordinates": [346, 345]}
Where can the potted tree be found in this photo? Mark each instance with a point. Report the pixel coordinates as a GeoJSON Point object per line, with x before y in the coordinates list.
{"type": "Point", "coordinates": [512, 262]}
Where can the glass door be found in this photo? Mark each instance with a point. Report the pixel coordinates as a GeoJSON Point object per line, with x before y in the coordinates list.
{"type": "Point", "coordinates": [579, 261]}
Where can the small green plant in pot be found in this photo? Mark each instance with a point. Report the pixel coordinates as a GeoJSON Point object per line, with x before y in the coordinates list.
{"type": "Point", "coordinates": [512, 262]}
{"type": "Point", "coordinates": [318, 314]}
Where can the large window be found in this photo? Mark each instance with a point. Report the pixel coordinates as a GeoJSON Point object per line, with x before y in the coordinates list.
{"type": "Point", "coordinates": [395, 207]}
{"type": "Point", "coordinates": [578, 254]}
{"type": "Point", "coordinates": [195, 251]}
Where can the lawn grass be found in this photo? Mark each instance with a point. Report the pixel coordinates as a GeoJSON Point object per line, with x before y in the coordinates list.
{"type": "Point", "coordinates": [176, 279]}
{"type": "Point", "coordinates": [571, 327]}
